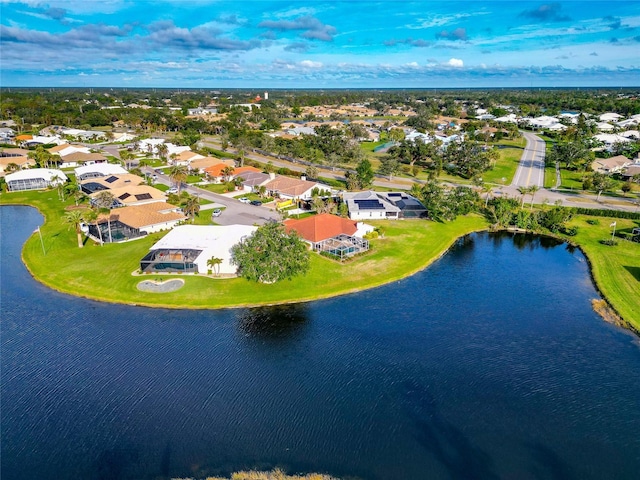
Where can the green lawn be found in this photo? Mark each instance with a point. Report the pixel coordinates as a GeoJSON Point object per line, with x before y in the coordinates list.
{"type": "Point", "coordinates": [549, 176]}
{"type": "Point", "coordinates": [506, 165]}
{"type": "Point", "coordinates": [571, 179]}
{"type": "Point", "coordinates": [408, 246]}
{"type": "Point", "coordinates": [616, 269]}
{"type": "Point", "coordinates": [215, 187]}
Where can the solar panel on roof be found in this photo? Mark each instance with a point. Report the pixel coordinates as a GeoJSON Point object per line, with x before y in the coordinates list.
{"type": "Point", "coordinates": [369, 204]}
{"type": "Point", "coordinates": [394, 194]}
{"type": "Point", "coordinates": [124, 196]}
{"type": "Point", "coordinates": [143, 196]}
{"type": "Point", "coordinates": [111, 179]}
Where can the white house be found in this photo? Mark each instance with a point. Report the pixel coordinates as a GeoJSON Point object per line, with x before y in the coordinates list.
{"type": "Point", "coordinates": [187, 248]}
{"type": "Point", "coordinates": [34, 179]}
{"type": "Point", "coordinates": [98, 170]}
{"type": "Point", "coordinates": [66, 149]}
{"type": "Point", "coordinates": [610, 117]}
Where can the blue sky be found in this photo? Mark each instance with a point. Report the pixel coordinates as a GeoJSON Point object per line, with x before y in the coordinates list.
{"type": "Point", "coordinates": [319, 44]}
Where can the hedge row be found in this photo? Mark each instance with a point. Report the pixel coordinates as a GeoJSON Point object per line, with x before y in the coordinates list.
{"type": "Point", "coordinates": [602, 212]}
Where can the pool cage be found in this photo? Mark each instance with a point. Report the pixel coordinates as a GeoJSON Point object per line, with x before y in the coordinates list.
{"type": "Point", "coordinates": [170, 260]}
{"type": "Point", "coordinates": [343, 246]}
{"type": "Point", "coordinates": [119, 231]}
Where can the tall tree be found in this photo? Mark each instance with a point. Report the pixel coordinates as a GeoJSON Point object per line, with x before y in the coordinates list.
{"type": "Point", "coordinates": [364, 173]}
{"type": "Point", "coordinates": [270, 255]}
{"type": "Point", "coordinates": [192, 207]}
{"type": "Point", "coordinates": [178, 174]}
{"type": "Point", "coordinates": [75, 219]}
{"type": "Point", "coordinates": [389, 166]}
{"type": "Point", "coordinates": [104, 200]}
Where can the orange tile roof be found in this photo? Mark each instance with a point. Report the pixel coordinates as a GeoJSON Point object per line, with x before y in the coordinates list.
{"type": "Point", "coordinates": [24, 137]}
{"type": "Point", "coordinates": [241, 170]}
{"type": "Point", "coordinates": [216, 170]}
{"type": "Point", "coordinates": [320, 227]}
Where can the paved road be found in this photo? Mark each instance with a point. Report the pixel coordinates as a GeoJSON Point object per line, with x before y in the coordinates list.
{"type": "Point", "coordinates": [235, 211]}
{"type": "Point", "coordinates": [531, 168]}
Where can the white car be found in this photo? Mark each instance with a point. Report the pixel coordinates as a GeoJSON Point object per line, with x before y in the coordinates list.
{"type": "Point", "coordinates": [172, 190]}
{"type": "Point", "coordinates": [216, 212]}
{"type": "Point", "coordinates": [245, 200]}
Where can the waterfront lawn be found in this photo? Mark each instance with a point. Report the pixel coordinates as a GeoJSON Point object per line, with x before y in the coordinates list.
{"type": "Point", "coordinates": [105, 273]}
{"type": "Point", "coordinates": [616, 269]}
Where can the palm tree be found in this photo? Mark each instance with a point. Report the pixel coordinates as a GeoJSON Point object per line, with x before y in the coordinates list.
{"type": "Point", "coordinates": [532, 191]}
{"type": "Point", "coordinates": [241, 147]}
{"type": "Point", "coordinates": [104, 200]}
{"type": "Point", "coordinates": [75, 219]}
{"type": "Point", "coordinates": [227, 173]}
{"type": "Point", "coordinates": [214, 263]}
{"type": "Point", "coordinates": [178, 174]}
{"type": "Point", "coordinates": [486, 188]}
{"type": "Point", "coordinates": [192, 207]}
{"type": "Point", "coordinates": [162, 150]}
{"type": "Point", "coordinates": [92, 215]}
{"type": "Point", "coordinates": [523, 191]}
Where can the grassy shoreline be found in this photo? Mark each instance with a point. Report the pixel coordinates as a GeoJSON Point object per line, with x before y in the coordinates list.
{"type": "Point", "coordinates": [105, 273]}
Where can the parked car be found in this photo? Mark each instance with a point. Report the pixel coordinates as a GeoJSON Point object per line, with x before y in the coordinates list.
{"type": "Point", "coordinates": [257, 203]}
{"type": "Point", "coordinates": [216, 213]}
{"type": "Point", "coordinates": [172, 190]}
{"type": "Point", "coordinates": [245, 200]}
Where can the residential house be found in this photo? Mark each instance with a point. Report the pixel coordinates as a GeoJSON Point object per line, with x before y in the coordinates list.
{"type": "Point", "coordinates": [631, 171]}
{"type": "Point", "coordinates": [185, 158]}
{"type": "Point", "coordinates": [370, 205]}
{"type": "Point", "coordinates": [288, 188]}
{"type": "Point", "coordinates": [610, 117]}
{"type": "Point", "coordinates": [94, 170]}
{"type": "Point", "coordinates": [132, 195]}
{"type": "Point", "coordinates": [135, 221]}
{"type": "Point", "coordinates": [67, 149]}
{"type": "Point", "coordinates": [188, 248]}
{"type": "Point", "coordinates": [201, 164]}
{"type": "Point", "coordinates": [338, 236]}
{"type": "Point", "coordinates": [34, 179]}
{"type": "Point", "coordinates": [18, 156]}
{"type": "Point", "coordinates": [7, 135]}
{"type": "Point", "coordinates": [214, 172]}
{"type": "Point", "coordinates": [252, 181]}
{"type": "Point", "coordinates": [110, 182]}
{"type": "Point", "coordinates": [81, 158]}
{"type": "Point", "coordinates": [610, 165]}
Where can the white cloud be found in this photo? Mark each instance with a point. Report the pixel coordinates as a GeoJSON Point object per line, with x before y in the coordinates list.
{"type": "Point", "coordinates": [310, 64]}
{"type": "Point", "coordinates": [440, 20]}
{"type": "Point", "coordinates": [455, 62]}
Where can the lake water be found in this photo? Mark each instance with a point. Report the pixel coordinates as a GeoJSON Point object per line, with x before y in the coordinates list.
{"type": "Point", "coordinates": [489, 364]}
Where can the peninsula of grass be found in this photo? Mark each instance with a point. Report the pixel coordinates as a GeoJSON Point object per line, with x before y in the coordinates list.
{"type": "Point", "coordinates": [105, 273]}
{"type": "Point", "coordinates": [615, 269]}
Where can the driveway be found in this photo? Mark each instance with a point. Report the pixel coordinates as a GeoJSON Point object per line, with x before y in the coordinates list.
{"type": "Point", "coordinates": [235, 211]}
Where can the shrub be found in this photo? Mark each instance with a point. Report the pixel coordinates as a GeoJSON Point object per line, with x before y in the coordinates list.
{"type": "Point", "coordinates": [593, 221]}
{"type": "Point", "coordinates": [610, 242]}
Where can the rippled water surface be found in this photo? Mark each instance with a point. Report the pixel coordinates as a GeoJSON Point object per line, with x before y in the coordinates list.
{"type": "Point", "coordinates": [490, 364]}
